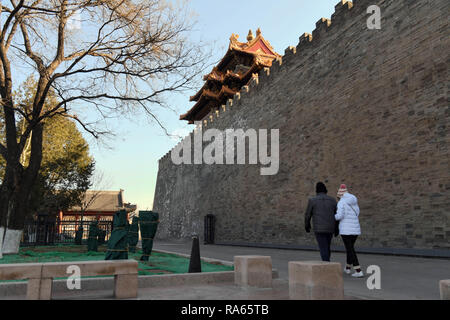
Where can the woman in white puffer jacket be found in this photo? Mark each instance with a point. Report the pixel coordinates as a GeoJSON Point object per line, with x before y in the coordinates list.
{"type": "Point", "coordinates": [349, 228]}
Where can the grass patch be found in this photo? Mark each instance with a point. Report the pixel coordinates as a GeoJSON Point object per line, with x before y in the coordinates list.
{"type": "Point", "coordinates": [159, 263]}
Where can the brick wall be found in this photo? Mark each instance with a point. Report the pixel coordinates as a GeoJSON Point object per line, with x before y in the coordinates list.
{"type": "Point", "coordinates": [368, 108]}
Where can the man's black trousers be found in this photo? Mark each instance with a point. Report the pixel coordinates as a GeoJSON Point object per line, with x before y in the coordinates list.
{"type": "Point", "coordinates": [324, 241]}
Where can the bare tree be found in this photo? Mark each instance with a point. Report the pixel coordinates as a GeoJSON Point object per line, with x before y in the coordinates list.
{"type": "Point", "coordinates": [128, 54]}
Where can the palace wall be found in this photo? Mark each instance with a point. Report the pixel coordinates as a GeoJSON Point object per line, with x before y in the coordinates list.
{"type": "Point", "coordinates": [368, 108]}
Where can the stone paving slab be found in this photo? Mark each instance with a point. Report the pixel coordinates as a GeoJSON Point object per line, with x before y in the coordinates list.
{"type": "Point", "coordinates": [219, 291]}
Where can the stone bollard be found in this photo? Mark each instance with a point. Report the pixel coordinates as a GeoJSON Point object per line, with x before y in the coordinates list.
{"type": "Point", "coordinates": [315, 280]}
{"type": "Point", "coordinates": [444, 288]}
{"type": "Point", "coordinates": [254, 271]}
{"type": "Point", "coordinates": [126, 286]}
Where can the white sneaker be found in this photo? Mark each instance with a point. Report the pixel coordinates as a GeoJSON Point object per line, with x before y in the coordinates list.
{"type": "Point", "coordinates": [347, 271]}
{"type": "Point", "coordinates": [358, 274]}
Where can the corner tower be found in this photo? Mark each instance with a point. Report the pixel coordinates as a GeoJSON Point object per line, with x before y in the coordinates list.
{"type": "Point", "coordinates": [241, 62]}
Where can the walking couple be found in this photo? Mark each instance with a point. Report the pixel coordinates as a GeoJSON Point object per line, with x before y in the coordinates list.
{"type": "Point", "coordinates": [331, 217]}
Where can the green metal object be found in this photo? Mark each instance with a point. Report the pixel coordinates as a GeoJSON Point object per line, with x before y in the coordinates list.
{"type": "Point", "coordinates": [133, 235]}
{"type": "Point", "coordinates": [92, 242]}
{"type": "Point", "coordinates": [118, 243]}
{"type": "Point", "coordinates": [101, 236]}
{"type": "Point", "coordinates": [79, 236]}
{"type": "Point", "coordinates": [148, 223]}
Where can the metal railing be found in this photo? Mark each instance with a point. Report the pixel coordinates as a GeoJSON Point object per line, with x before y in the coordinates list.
{"type": "Point", "coordinates": [47, 232]}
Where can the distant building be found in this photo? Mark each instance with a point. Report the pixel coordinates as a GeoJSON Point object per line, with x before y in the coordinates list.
{"type": "Point", "coordinates": [98, 205]}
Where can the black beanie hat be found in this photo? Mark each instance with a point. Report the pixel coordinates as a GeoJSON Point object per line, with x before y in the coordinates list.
{"type": "Point", "coordinates": [320, 188]}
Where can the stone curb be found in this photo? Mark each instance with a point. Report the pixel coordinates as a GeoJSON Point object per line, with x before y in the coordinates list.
{"type": "Point", "coordinates": [211, 260]}
{"type": "Point", "coordinates": [19, 288]}
{"type": "Point", "coordinates": [401, 252]}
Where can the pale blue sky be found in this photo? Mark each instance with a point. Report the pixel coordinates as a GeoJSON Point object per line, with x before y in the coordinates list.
{"type": "Point", "coordinates": [132, 163]}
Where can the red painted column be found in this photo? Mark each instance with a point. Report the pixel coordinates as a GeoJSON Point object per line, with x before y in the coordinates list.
{"type": "Point", "coordinates": [61, 215]}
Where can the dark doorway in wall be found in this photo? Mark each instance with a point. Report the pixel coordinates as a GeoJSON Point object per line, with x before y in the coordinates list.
{"type": "Point", "coordinates": [210, 221]}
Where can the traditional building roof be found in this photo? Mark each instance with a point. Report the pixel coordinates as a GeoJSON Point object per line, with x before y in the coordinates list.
{"type": "Point", "coordinates": [103, 201]}
{"type": "Point", "coordinates": [240, 63]}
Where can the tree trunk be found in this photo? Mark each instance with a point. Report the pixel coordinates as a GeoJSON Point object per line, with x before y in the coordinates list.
{"type": "Point", "coordinates": [12, 232]}
{"type": "Point", "coordinates": [15, 197]}
{"type": "Point", "coordinates": [12, 220]}
{"type": "Point", "coordinates": [7, 203]}
{"type": "Point", "coordinates": [2, 231]}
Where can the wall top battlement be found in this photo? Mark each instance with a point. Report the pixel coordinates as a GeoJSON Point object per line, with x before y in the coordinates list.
{"type": "Point", "coordinates": [305, 40]}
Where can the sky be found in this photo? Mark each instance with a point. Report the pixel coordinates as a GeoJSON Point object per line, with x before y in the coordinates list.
{"type": "Point", "coordinates": [129, 161]}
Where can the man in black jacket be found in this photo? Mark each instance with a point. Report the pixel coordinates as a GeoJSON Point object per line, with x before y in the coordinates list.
{"type": "Point", "coordinates": [322, 209]}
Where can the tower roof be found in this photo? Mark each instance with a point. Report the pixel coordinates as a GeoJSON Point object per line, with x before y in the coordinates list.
{"type": "Point", "coordinates": [235, 69]}
{"type": "Point", "coordinates": [257, 45]}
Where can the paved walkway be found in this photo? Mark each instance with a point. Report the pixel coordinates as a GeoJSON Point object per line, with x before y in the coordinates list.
{"type": "Point", "coordinates": [404, 278]}
{"type": "Point", "coordinates": [219, 291]}
{"type": "Point", "coordinates": [401, 277]}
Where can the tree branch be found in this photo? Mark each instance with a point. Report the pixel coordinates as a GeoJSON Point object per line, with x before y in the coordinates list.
{"type": "Point", "coordinates": [9, 19]}
{"type": "Point", "coordinates": [61, 38]}
{"type": "Point", "coordinates": [29, 51]}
